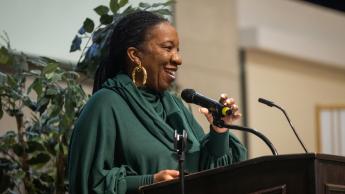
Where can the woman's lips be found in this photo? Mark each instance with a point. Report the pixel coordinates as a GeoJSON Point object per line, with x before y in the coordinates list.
{"type": "Point", "coordinates": [171, 73]}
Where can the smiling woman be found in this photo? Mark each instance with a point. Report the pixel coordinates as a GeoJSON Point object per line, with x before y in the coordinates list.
{"type": "Point", "coordinates": [124, 136]}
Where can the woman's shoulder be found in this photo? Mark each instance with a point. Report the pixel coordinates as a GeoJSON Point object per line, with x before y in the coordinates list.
{"type": "Point", "coordinates": [105, 98]}
{"type": "Point", "coordinates": [106, 94]}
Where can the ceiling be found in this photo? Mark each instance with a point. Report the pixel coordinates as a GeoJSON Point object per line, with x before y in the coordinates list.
{"type": "Point", "coordinates": [338, 5]}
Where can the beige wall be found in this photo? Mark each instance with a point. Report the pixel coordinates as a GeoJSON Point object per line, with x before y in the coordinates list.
{"type": "Point", "coordinates": [208, 41]}
{"type": "Point", "coordinates": [297, 85]}
{"type": "Point", "coordinates": [7, 123]}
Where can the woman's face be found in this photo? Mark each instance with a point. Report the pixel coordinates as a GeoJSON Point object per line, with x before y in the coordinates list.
{"type": "Point", "coordinates": [160, 56]}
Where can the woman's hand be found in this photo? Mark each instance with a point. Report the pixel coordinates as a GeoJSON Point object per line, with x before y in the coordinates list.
{"type": "Point", "coordinates": [165, 175]}
{"type": "Point", "coordinates": [229, 102]}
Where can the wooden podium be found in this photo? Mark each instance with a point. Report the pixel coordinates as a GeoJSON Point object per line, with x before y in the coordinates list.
{"type": "Point", "coordinates": [286, 174]}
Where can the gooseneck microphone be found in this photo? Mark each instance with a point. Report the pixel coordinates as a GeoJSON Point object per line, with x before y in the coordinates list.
{"type": "Point", "coordinates": [190, 96]}
{"type": "Point", "coordinates": [272, 104]}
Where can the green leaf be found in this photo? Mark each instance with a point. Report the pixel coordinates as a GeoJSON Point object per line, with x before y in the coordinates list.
{"type": "Point", "coordinates": [47, 178]}
{"type": "Point", "coordinates": [123, 3]}
{"type": "Point", "coordinates": [101, 10]}
{"type": "Point", "coordinates": [51, 67]}
{"type": "Point", "coordinates": [170, 2]}
{"type": "Point", "coordinates": [37, 86]}
{"type": "Point", "coordinates": [10, 135]}
{"type": "Point", "coordinates": [39, 185]}
{"type": "Point", "coordinates": [163, 12]}
{"type": "Point", "coordinates": [55, 109]}
{"type": "Point", "coordinates": [156, 4]}
{"type": "Point", "coordinates": [3, 78]}
{"type": "Point", "coordinates": [4, 56]}
{"type": "Point", "coordinates": [6, 164]}
{"type": "Point", "coordinates": [52, 91]}
{"type": "Point", "coordinates": [144, 5]}
{"type": "Point", "coordinates": [8, 140]}
{"type": "Point", "coordinates": [54, 77]}
{"type": "Point", "coordinates": [66, 122]}
{"type": "Point", "coordinates": [19, 174]}
{"type": "Point", "coordinates": [51, 147]}
{"type": "Point", "coordinates": [18, 149]}
{"type": "Point", "coordinates": [11, 81]}
{"type": "Point", "coordinates": [29, 103]}
{"type": "Point", "coordinates": [48, 60]}
{"type": "Point", "coordinates": [36, 72]}
{"type": "Point", "coordinates": [34, 146]}
{"type": "Point", "coordinates": [42, 104]}
{"type": "Point", "coordinates": [106, 19]}
{"type": "Point", "coordinates": [40, 158]}
{"type": "Point", "coordinates": [71, 75]}
{"type": "Point", "coordinates": [88, 25]}
{"type": "Point", "coordinates": [128, 10]}
{"type": "Point", "coordinates": [76, 43]}
{"type": "Point", "coordinates": [114, 6]}
{"type": "Point", "coordinates": [163, 4]}
{"type": "Point", "coordinates": [64, 149]}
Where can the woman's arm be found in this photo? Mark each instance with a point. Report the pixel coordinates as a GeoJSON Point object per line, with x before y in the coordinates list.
{"type": "Point", "coordinates": [92, 152]}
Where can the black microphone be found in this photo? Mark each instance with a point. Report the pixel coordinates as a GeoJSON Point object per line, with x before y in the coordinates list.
{"type": "Point", "coordinates": [272, 104]}
{"type": "Point", "coordinates": [190, 96]}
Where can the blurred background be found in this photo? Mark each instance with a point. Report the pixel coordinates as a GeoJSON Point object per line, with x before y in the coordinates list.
{"type": "Point", "coordinates": [290, 52]}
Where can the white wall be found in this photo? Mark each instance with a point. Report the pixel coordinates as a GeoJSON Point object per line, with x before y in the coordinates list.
{"type": "Point", "coordinates": [293, 28]}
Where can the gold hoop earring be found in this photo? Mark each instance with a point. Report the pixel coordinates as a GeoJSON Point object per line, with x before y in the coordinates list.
{"type": "Point", "coordinates": [139, 68]}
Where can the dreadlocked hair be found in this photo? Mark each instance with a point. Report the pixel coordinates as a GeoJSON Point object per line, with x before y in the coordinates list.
{"type": "Point", "coordinates": [130, 31]}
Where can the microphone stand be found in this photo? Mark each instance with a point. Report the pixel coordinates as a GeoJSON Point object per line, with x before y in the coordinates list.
{"type": "Point", "coordinates": [180, 141]}
{"type": "Point", "coordinates": [271, 104]}
{"type": "Point", "coordinates": [220, 123]}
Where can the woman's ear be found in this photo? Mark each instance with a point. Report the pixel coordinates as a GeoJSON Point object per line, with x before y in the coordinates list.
{"type": "Point", "coordinates": [133, 55]}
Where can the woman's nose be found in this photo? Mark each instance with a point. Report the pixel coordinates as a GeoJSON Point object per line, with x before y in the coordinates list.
{"type": "Point", "coordinates": [177, 59]}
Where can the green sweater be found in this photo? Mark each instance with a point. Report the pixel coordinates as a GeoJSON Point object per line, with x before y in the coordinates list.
{"type": "Point", "coordinates": [124, 135]}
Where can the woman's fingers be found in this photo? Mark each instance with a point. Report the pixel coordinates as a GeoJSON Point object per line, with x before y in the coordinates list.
{"type": "Point", "coordinates": [231, 103]}
{"type": "Point", "coordinates": [207, 114]}
{"type": "Point", "coordinates": [234, 108]}
{"type": "Point", "coordinates": [203, 110]}
{"type": "Point", "coordinates": [165, 175]}
{"type": "Point", "coordinates": [228, 119]}
{"type": "Point", "coordinates": [223, 98]}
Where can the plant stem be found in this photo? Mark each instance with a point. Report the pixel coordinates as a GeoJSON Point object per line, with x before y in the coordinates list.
{"type": "Point", "coordinates": [60, 170]}
{"type": "Point", "coordinates": [28, 187]}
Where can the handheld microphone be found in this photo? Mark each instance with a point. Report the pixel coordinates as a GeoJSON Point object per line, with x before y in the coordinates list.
{"type": "Point", "coordinates": [272, 104]}
{"type": "Point", "coordinates": [190, 96]}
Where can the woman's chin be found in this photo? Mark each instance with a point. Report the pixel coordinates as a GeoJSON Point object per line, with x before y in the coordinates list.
{"type": "Point", "coordinates": [164, 86]}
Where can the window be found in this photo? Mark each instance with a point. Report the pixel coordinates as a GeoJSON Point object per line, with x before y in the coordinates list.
{"type": "Point", "coordinates": [331, 129]}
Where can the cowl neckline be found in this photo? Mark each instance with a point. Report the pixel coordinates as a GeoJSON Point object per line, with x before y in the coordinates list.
{"type": "Point", "coordinates": [157, 111]}
{"type": "Point", "coordinates": [155, 99]}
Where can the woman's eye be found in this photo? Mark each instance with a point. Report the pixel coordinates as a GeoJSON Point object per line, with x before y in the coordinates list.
{"type": "Point", "coordinates": [168, 48]}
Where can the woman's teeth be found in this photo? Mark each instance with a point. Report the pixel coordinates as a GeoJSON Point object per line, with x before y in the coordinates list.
{"type": "Point", "coordinates": [171, 73]}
